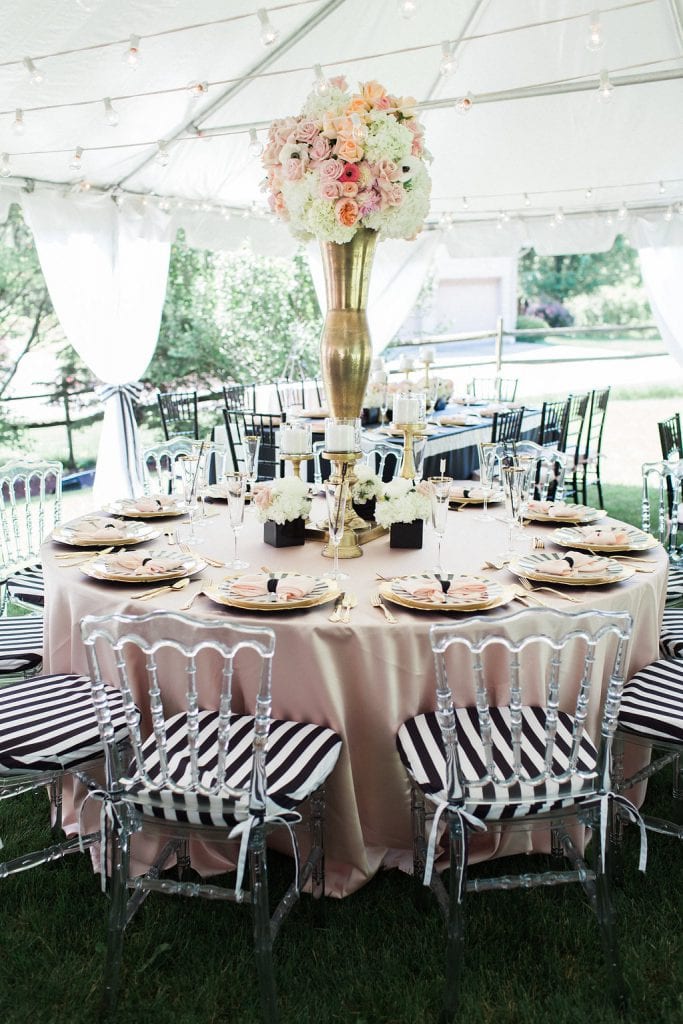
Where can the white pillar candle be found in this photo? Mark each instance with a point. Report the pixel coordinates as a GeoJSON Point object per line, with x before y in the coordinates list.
{"type": "Point", "coordinates": [406, 363]}
{"type": "Point", "coordinates": [427, 354]}
{"type": "Point", "coordinates": [295, 441]}
{"type": "Point", "coordinates": [379, 377]}
{"type": "Point", "coordinates": [406, 409]}
{"type": "Point", "coordinates": [377, 363]}
{"type": "Point", "coordinates": [340, 437]}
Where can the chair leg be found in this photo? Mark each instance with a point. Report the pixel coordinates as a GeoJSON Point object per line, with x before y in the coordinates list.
{"type": "Point", "coordinates": [318, 852]}
{"type": "Point", "coordinates": [677, 786]}
{"type": "Point", "coordinates": [605, 914]}
{"type": "Point", "coordinates": [455, 946]}
{"type": "Point", "coordinates": [117, 920]}
{"type": "Point", "coordinates": [263, 944]}
{"type": "Point", "coordinates": [55, 790]}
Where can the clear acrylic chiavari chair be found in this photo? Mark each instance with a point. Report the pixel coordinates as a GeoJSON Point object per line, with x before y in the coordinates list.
{"type": "Point", "coordinates": [201, 771]}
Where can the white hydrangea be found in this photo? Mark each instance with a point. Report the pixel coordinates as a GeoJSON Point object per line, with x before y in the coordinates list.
{"type": "Point", "coordinates": [405, 221]}
{"type": "Point", "coordinates": [402, 502]}
{"type": "Point", "coordinates": [334, 100]}
{"type": "Point", "coordinates": [387, 139]}
{"type": "Point", "coordinates": [285, 499]}
{"type": "Point", "coordinates": [367, 486]}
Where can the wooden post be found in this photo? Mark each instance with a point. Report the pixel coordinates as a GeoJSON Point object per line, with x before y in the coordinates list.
{"type": "Point", "coordinates": [499, 353]}
{"type": "Point", "coordinates": [71, 463]}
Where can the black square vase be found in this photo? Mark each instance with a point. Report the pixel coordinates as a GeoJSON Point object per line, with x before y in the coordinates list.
{"type": "Point", "coordinates": [406, 535]}
{"type": "Point", "coordinates": [285, 535]}
{"type": "Point", "coordinates": [365, 509]}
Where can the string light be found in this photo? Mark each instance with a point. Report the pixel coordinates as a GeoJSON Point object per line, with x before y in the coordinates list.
{"type": "Point", "coordinates": [322, 86]}
{"type": "Point", "coordinates": [407, 8]}
{"type": "Point", "coordinates": [503, 218]}
{"type": "Point", "coordinates": [358, 130]}
{"type": "Point", "coordinates": [605, 88]}
{"type": "Point", "coordinates": [269, 35]}
{"type": "Point", "coordinates": [5, 169]}
{"type": "Point", "coordinates": [197, 89]}
{"type": "Point", "coordinates": [111, 116]}
{"type": "Point", "coordinates": [527, 201]}
{"type": "Point", "coordinates": [162, 156]}
{"type": "Point", "coordinates": [76, 161]}
{"type": "Point", "coordinates": [465, 203]}
{"type": "Point", "coordinates": [662, 188]}
{"type": "Point", "coordinates": [463, 104]}
{"type": "Point", "coordinates": [588, 193]}
{"type": "Point", "coordinates": [255, 146]}
{"type": "Point", "coordinates": [609, 220]}
{"type": "Point", "coordinates": [622, 212]}
{"type": "Point", "coordinates": [131, 56]}
{"type": "Point", "coordinates": [595, 39]}
{"type": "Point", "coordinates": [35, 75]}
{"type": "Point", "coordinates": [448, 62]}
{"type": "Point", "coordinates": [668, 213]}
{"type": "Point", "coordinates": [18, 126]}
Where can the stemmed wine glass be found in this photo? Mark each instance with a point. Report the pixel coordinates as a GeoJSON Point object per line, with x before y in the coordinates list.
{"type": "Point", "coordinates": [236, 491]}
{"type": "Point", "coordinates": [383, 405]}
{"type": "Point", "coordinates": [189, 465]}
{"type": "Point", "coordinates": [251, 444]}
{"type": "Point", "coordinates": [335, 498]}
{"type": "Point", "coordinates": [515, 485]}
{"type": "Point", "coordinates": [440, 496]}
{"type": "Point", "coordinates": [488, 452]}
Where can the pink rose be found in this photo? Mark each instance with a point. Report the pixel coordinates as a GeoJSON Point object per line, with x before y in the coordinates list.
{"type": "Point", "coordinates": [330, 189]}
{"type": "Point", "coordinates": [349, 189]}
{"type": "Point", "coordinates": [262, 496]}
{"type": "Point", "coordinates": [394, 195]}
{"type": "Point", "coordinates": [348, 150]}
{"type": "Point", "coordinates": [383, 104]}
{"type": "Point", "coordinates": [386, 172]}
{"type": "Point", "coordinates": [320, 149]}
{"type": "Point", "coordinates": [346, 212]}
{"type": "Point", "coordinates": [350, 173]}
{"type": "Point", "coordinates": [417, 148]}
{"type": "Point", "coordinates": [293, 169]}
{"type": "Point", "coordinates": [306, 131]}
{"type": "Point", "coordinates": [270, 154]}
{"type": "Point", "coordinates": [330, 170]}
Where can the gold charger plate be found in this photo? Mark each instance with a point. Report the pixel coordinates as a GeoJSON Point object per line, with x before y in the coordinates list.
{"type": "Point", "coordinates": [589, 515]}
{"type": "Point", "coordinates": [218, 492]}
{"type": "Point", "coordinates": [571, 537]}
{"type": "Point", "coordinates": [126, 507]}
{"type": "Point", "coordinates": [98, 569]}
{"type": "Point", "coordinates": [391, 590]}
{"type": "Point", "coordinates": [531, 566]}
{"type": "Point", "coordinates": [132, 533]}
{"type": "Point", "coordinates": [495, 499]}
{"type": "Point", "coordinates": [325, 590]}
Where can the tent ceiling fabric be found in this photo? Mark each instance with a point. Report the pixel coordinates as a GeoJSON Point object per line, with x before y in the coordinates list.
{"type": "Point", "coordinates": [550, 147]}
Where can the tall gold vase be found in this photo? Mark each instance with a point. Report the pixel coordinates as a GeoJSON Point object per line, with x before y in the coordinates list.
{"type": "Point", "coordinates": [345, 347]}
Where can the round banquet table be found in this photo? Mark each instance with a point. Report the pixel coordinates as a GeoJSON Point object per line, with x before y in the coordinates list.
{"type": "Point", "coordinates": [362, 679]}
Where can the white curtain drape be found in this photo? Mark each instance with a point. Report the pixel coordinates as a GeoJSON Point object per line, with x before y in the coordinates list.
{"type": "Point", "coordinates": [398, 273]}
{"type": "Point", "coordinates": [663, 279]}
{"type": "Point", "coordinates": [106, 273]}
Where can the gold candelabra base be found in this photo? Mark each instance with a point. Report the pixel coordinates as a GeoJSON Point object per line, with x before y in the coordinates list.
{"type": "Point", "coordinates": [296, 460]}
{"type": "Point", "coordinates": [410, 431]}
{"type": "Point", "coordinates": [343, 464]}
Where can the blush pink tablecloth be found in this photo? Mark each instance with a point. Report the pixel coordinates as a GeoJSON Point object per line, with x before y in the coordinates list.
{"type": "Point", "coordinates": [362, 679]}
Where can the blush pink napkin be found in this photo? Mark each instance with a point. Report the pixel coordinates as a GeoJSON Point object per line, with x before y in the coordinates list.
{"type": "Point", "coordinates": [556, 509]}
{"type": "Point", "coordinates": [617, 535]}
{"type": "Point", "coordinates": [143, 563]}
{"type": "Point", "coordinates": [291, 588]}
{"type": "Point", "coordinates": [430, 589]}
{"type": "Point", "coordinates": [152, 503]}
{"type": "Point", "coordinates": [99, 528]}
{"type": "Point", "coordinates": [580, 563]}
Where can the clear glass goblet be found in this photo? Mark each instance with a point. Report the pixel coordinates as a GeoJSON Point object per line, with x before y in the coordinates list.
{"type": "Point", "coordinates": [250, 445]}
{"type": "Point", "coordinates": [515, 479]}
{"type": "Point", "coordinates": [440, 497]}
{"type": "Point", "coordinates": [488, 453]}
{"type": "Point", "coordinates": [236, 492]}
{"type": "Point", "coordinates": [335, 498]}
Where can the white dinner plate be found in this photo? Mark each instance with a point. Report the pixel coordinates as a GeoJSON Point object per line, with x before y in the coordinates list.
{"type": "Point", "coordinates": [105, 567]}
{"type": "Point", "coordinates": [531, 566]}
{"type": "Point", "coordinates": [323, 591]}
{"type": "Point", "coordinates": [574, 537]}
{"type": "Point", "coordinates": [121, 533]}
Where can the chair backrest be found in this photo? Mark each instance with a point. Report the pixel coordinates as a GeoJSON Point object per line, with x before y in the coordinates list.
{"type": "Point", "coordinates": [662, 491]}
{"type": "Point", "coordinates": [290, 394]}
{"type": "Point", "coordinates": [179, 416]}
{"type": "Point", "coordinates": [30, 508]}
{"type": "Point", "coordinates": [318, 447]}
{"type": "Point", "coordinates": [595, 425]}
{"type": "Point", "coordinates": [239, 396]}
{"type": "Point", "coordinates": [493, 389]}
{"type": "Point", "coordinates": [507, 426]}
{"type": "Point", "coordinates": [384, 458]}
{"type": "Point", "coordinates": [554, 422]}
{"type": "Point", "coordinates": [502, 666]}
{"type": "Point", "coordinates": [239, 425]}
{"type": "Point", "coordinates": [159, 661]}
{"type": "Point", "coordinates": [161, 473]}
{"type": "Point", "coordinates": [547, 480]}
{"type": "Point", "coordinates": [573, 443]}
{"type": "Point", "coordinates": [670, 436]}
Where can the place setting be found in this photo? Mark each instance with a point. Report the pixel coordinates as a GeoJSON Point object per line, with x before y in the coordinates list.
{"type": "Point", "coordinates": [445, 592]}
{"type": "Point", "coordinates": [275, 591]}
{"type": "Point", "coordinates": [148, 566]}
{"type": "Point", "coordinates": [572, 568]}
{"type": "Point", "coordinates": [617, 538]}
{"type": "Point", "coordinates": [561, 511]}
{"type": "Point", "coordinates": [151, 506]}
{"type": "Point", "coordinates": [92, 530]}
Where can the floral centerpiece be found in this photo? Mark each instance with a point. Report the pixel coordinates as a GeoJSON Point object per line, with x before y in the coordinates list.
{"type": "Point", "coordinates": [366, 488]}
{"type": "Point", "coordinates": [350, 160]}
{"type": "Point", "coordinates": [283, 506]}
{"type": "Point", "coordinates": [403, 507]}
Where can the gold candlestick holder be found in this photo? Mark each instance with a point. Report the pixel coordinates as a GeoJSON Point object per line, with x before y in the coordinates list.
{"type": "Point", "coordinates": [349, 546]}
{"type": "Point", "coordinates": [410, 431]}
{"type": "Point", "coordinates": [296, 459]}
{"type": "Point", "coordinates": [427, 364]}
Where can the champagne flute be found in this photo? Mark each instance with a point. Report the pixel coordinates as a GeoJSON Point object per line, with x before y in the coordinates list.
{"type": "Point", "coordinates": [251, 444]}
{"type": "Point", "coordinates": [488, 452]}
{"type": "Point", "coordinates": [383, 405]}
{"type": "Point", "coordinates": [440, 496]}
{"type": "Point", "coordinates": [236, 491]}
{"type": "Point", "coordinates": [189, 466]}
{"type": "Point", "coordinates": [335, 498]}
{"type": "Point", "coordinates": [514, 483]}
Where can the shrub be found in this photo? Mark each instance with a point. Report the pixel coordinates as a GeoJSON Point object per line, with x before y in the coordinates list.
{"type": "Point", "coordinates": [530, 323]}
{"type": "Point", "coordinates": [612, 304]}
{"type": "Point", "coordinates": [554, 313]}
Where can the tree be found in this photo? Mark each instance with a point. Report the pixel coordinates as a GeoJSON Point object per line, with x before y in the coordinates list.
{"type": "Point", "coordinates": [563, 277]}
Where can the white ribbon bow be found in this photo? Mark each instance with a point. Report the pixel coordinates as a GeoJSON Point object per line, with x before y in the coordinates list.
{"type": "Point", "coordinates": [466, 820]}
{"type": "Point", "coordinates": [242, 831]}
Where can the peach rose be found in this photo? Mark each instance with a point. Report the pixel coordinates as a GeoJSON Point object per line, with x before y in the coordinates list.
{"type": "Point", "coordinates": [346, 212]}
{"type": "Point", "coordinates": [357, 105]}
{"type": "Point", "coordinates": [348, 150]}
{"type": "Point", "coordinates": [372, 92]}
{"type": "Point", "coordinates": [331, 189]}
{"type": "Point", "coordinates": [349, 189]}
{"type": "Point", "coordinates": [339, 82]}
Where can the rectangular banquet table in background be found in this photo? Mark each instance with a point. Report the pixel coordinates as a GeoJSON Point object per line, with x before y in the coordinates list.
{"type": "Point", "coordinates": [362, 679]}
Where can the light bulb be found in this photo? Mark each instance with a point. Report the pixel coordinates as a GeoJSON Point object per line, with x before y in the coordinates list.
{"type": "Point", "coordinates": [609, 220]}
{"type": "Point", "coordinates": [668, 213]}
{"type": "Point", "coordinates": [162, 154]}
{"type": "Point", "coordinates": [448, 62]}
{"type": "Point", "coordinates": [622, 212]}
{"type": "Point", "coordinates": [131, 56]}
{"type": "Point", "coordinates": [465, 203]}
{"type": "Point", "coordinates": [407, 8]}
{"type": "Point", "coordinates": [18, 126]}
{"type": "Point", "coordinates": [269, 35]}
{"type": "Point", "coordinates": [463, 104]}
{"type": "Point", "coordinates": [77, 159]}
{"type": "Point", "coordinates": [197, 89]}
{"type": "Point", "coordinates": [595, 40]}
{"type": "Point", "coordinates": [35, 75]}
{"type": "Point", "coordinates": [662, 188]}
{"type": "Point", "coordinates": [245, 213]}
{"type": "Point", "coordinates": [588, 193]}
{"type": "Point", "coordinates": [605, 87]}
{"type": "Point", "coordinates": [255, 146]}
{"type": "Point", "coordinates": [527, 201]}
{"type": "Point", "coordinates": [111, 116]}
{"type": "Point", "coordinates": [559, 216]}
{"type": "Point", "coordinates": [164, 205]}
{"type": "Point", "coordinates": [322, 86]}
{"type": "Point", "coordinates": [5, 169]}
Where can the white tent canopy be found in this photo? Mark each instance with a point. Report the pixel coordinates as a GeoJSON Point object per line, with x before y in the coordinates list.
{"type": "Point", "coordinates": [540, 157]}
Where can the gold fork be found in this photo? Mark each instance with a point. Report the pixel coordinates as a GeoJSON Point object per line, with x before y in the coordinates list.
{"type": "Point", "coordinates": [377, 602]}
{"type": "Point", "coordinates": [350, 601]}
{"type": "Point", "coordinates": [185, 549]}
{"type": "Point", "coordinates": [528, 585]}
{"type": "Point", "coordinates": [178, 585]}
{"type": "Point", "coordinates": [205, 585]}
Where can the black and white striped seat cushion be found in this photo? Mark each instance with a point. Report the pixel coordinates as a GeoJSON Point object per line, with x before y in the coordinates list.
{"type": "Point", "coordinates": [27, 586]}
{"type": "Point", "coordinates": [21, 642]}
{"type": "Point", "coordinates": [674, 584]}
{"type": "Point", "coordinates": [652, 704]}
{"type": "Point", "coordinates": [421, 749]}
{"type": "Point", "coordinates": [48, 723]}
{"type": "Point", "coordinates": [671, 633]}
{"type": "Point", "coordinates": [299, 758]}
